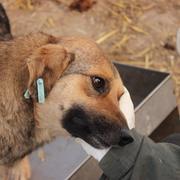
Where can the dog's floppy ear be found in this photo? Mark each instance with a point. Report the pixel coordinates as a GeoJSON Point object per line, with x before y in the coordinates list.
{"type": "Point", "coordinates": [47, 62]}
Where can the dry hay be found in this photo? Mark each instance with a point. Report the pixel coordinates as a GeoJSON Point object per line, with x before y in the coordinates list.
{"type": "Point", "coordinates": [160, 55]}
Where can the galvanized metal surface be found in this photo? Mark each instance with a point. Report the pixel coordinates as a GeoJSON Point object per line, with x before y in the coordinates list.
{"type": "Point", "coordinates": [62, 157]}
{"type": "Point", "coordinates": [152, 94]}
{"type": "Point", "coordinates": [155, 107]}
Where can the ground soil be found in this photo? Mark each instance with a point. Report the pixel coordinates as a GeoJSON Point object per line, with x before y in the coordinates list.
{"type": "Point", "coordinates": [138, 32]}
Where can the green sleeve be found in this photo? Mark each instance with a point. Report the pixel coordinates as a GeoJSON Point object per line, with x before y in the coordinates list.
{"type": "Point", "coordinates": [142, 159]}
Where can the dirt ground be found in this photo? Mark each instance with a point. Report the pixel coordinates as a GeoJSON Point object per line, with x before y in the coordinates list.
{"type": "Point", "coordinates": [138, 32]}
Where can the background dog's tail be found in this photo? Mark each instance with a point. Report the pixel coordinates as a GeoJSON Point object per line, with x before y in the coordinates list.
{"type": "Point", "coordinates": [5, 28]}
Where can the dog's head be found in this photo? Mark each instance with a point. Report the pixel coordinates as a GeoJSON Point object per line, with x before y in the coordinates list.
{"type": "Point", "coordinates": [82, 92]}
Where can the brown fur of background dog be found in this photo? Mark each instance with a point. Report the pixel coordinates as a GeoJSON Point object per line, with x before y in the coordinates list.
{"type": "Point", "coordinates": [65, 64]}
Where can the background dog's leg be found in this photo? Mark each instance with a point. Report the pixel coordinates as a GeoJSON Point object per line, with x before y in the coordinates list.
{"type": "Point", "coordinates": [5, 28]}
{"type": "Point", "coordinates": [19, 171]}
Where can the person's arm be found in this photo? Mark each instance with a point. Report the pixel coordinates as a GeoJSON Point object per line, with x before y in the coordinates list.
{"type": "Point", "coordinates": [142, 159]}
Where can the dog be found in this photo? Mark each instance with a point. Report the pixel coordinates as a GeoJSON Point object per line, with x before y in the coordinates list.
{"type": "Point", "coordinates": [81, 90]}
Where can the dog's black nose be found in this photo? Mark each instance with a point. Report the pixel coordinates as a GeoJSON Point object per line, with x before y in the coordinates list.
{"type": "Point", "coordinates": [125, 138]}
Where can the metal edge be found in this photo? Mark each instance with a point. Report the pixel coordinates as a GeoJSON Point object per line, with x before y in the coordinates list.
{"type": "Point", "coordinates": [78, 167]}
{"type": "Point", "coordinates": [134, 66]}
{"type": "Point", "coordinates": [152, 92]}
{"type": "Point", "coordinates": [166, 90]}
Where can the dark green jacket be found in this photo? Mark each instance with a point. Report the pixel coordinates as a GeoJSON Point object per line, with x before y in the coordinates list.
{"type": "Point", "coordinates": [142, 160]}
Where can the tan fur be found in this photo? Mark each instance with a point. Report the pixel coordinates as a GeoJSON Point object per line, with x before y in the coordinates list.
{"type": "Point", "coordinates": [65, 64]}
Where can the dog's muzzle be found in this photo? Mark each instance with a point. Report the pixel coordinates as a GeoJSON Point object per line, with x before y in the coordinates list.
{"type": "Point", "coordinates": [95, 129]}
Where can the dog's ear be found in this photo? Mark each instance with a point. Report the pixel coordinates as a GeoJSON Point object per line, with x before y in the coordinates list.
{"type": "Point", "coordinates": [47, 62]}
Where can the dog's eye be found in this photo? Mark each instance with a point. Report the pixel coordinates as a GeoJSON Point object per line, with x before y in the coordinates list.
{"type": "Point", "coordinates": [98, 83]}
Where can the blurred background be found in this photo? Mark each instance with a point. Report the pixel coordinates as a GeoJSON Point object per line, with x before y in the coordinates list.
{"type": "Point", "coordinates": [137, 32]}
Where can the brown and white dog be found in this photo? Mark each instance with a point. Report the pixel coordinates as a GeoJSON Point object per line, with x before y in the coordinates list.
{"type": "Point", "coordinates": [82, 89]}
